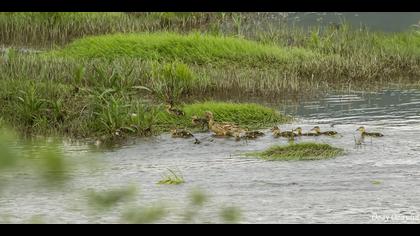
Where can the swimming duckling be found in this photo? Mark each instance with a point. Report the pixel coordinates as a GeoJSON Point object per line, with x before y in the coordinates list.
{"type": "Point", "coordinates": [174, 111]}
{"type": "Point", "coordinates": [253, 134]}
{"type": "Point", "coordinates": [248, 135]}
{"type": "Point", "coordinates": [318, 131]}
{"type": "Point", "coordinates": [200, 121]}
{"type": "Point", "coordinates": [237, 136]}
{"type": "Point", "coordinates": [277, 133]}
{"type": "Point", "coordinates": [222, 129]}
{"type": "Point", "coordinates": [181, 133]}
{"type": "Point", "coordinates": [299, 132]}
{"type": "Point", "coordinates": [363, 132]}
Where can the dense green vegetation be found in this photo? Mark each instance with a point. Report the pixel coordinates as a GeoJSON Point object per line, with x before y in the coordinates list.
{"type": "Point", "coordinates": [115, 85]}
{"type": "Point", "coordinates": [46, 29]}
{"type": "Point", "coordinates": [50, 108]}
{"type": "Point", "coordinates": [192, 49]}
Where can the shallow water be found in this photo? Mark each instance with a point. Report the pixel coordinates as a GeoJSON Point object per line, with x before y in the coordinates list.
{"type": "Point", "coordinates": [378, 179]}
{"type": "Point", "coordinates": [375, 21]}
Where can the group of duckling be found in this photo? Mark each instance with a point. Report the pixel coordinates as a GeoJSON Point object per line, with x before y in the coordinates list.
{"type": "Point", "coordinates": [218, 128]}
{"type": "Point", "coordinates": [227, 129]}
{"type": "Point", "coordinates": [316, 131]}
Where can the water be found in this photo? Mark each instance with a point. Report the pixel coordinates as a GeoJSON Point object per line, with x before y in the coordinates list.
{"type": "Point", "coordinates": [377, 21]}
{"type": "Point", "coordinates": [252, 24]}
{"type": "Point", "coordinates": [378, 179]}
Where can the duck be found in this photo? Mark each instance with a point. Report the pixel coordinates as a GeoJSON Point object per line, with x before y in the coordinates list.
{"type": "Point", "coordinates": [363, 132]}
{"type": "Point", "coordinates": [318, 131]}
{"type": "Point", "coordinates": [277, 133]}
{"type": "Point", "coordinates": [174, 111]}
{"type": "Point", "coordinates": [202, 121]}
{"type": "Point", "coordinates": [181, 133]}
{"type": "Point", "coordinates": [299, 132]}
{"type": "Point", "coordinates": [222, 129]}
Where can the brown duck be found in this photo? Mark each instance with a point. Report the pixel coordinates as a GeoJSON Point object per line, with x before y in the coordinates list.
{"type": "Point", "coordinates": [174, 111]}
{"type": "Point", "coordinates": [222, 129]}
{"type": "Point", "coordinates": [200, 121]}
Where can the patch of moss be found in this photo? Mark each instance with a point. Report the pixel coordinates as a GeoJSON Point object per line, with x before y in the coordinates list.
{"type": "Point", "coordinates": [299, 151]}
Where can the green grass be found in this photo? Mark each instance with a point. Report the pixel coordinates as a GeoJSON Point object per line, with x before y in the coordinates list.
{"type": "Point", "coordinates": [191, 48]}
{"type": "Point", "coordinates": [403, 44]}
{"type": "Point", "coordinates": [172, 178]}
{"type": "Point", "coordinates": [102, 100]}
{"type": "Point", "coordinates": [91, 88]}
{"type": "Point", "coordinates": [249, 115]}
{"type": "Point", "coordinates": [299, 151]}
{"type": "Point", "coordinates": [47, 29]}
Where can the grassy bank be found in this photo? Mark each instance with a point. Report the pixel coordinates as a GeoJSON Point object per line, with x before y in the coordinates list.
{"type": "Point", "coordinates": [299, 151]}
{"type": "Point", "coordinates": [226, 65]}
{"type": "Point", "coordinates": [52, 108]}
{"type": "Point", "coordinates": [191, 49]}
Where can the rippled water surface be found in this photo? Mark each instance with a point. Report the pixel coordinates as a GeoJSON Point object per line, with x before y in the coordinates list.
{"type": "Point", "coordinates": [381, 178]}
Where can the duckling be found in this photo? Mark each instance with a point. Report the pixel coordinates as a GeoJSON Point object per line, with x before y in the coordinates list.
{"type": "Point", "coordinates": [277, 133]}
{"type": "Point", "coordinates": [253, 134]}
{"type": "Point", "coordinates": [181, 133]}
{"type": "Point", "coordinates": [237, 136]}
{"type": "Point", "coordinates": [299, 132]}
{"type": "Point", "coordinates": [248, 135]}
{"type": "Point", "coordinates": [363, 132]}
{"type": "Point", "coordinates": [222, 129]}
{"type": "Point", "coordinates": [318, 131]}
{"type": "Point", "coordinates": [200, 121]}
{"type": "Point", "coordinates": [174, 111]}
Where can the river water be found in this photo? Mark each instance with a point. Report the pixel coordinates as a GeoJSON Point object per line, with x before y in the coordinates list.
{"type": "Point", "coordinates": [376, 180]}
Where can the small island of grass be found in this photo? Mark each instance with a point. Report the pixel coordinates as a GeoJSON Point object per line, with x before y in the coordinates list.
{"type": "Point", "coordinates": [299, 151]}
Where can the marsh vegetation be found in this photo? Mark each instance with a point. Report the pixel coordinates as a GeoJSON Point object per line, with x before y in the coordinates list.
{"type": "Point", "coordinates": [109, 78]}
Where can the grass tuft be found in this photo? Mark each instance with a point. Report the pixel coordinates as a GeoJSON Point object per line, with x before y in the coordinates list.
{"type": "Point", "coordinates": [299, 151]}
{"type": "Point", "coordinates": [172, 178]}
